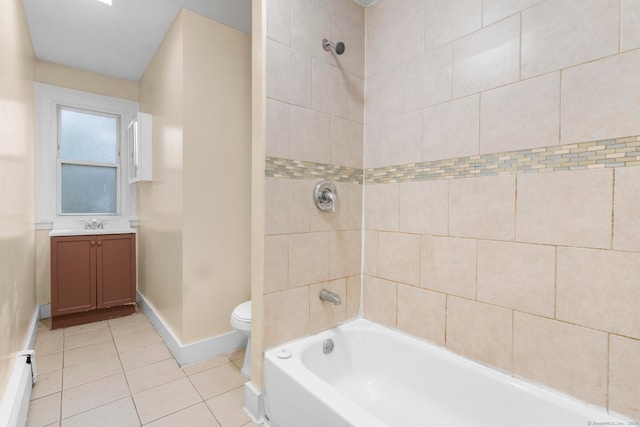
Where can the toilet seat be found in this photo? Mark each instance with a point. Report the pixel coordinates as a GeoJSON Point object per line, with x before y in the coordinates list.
{"type": "Point", "coordinates": [242, 313]}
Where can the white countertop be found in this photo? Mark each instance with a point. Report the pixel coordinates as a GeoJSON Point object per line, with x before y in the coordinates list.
{"type": "Point", "coordinates": [89, 231]}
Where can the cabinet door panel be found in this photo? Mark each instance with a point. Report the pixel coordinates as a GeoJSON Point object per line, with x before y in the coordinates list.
{"type": "Point", "coordinates": [73, 270]}
{"type": "Point", "coordinates": [116, 270]}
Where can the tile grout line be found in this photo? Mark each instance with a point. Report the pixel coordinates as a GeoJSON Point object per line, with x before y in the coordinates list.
{"type": "Point", "coordinates": [124, 373]}
{"type": "Point", "coordinates": [620, 17]}
{"type": "Point", "coordinates": [477, 266]}
{"type": "Point", "coordinates": [607, 399]}
{"type": "Point", "coordinates": [520, 49]}
{"type": "Point", "coordinates": [62, 381]}
{"type": "Point", "coordinates": [180, 410]}
{"type": "Point", "coordinates": [513, 339]}
{"type": "Point", "coordinates": [555, 284]}
{"type": "Point", "coordinates": [203, 400]}
{"type": "Point", "coordinates": [613, 208]}
{"type": "Point", "coordinates": [560, 108]}
{"type": "Point", "coordinates": [80, 385]}
{"type": "Point", "coordinates": [446, 313]}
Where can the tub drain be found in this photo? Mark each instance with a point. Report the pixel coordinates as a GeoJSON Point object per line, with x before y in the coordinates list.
{"type": "Point", "coordinates": [327, 346]}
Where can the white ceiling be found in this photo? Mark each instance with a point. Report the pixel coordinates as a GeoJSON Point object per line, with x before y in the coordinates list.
{"type": "Point", "coordinates": [117, 40]}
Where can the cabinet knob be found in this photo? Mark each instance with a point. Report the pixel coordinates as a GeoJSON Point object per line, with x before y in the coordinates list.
{"type": "Point", "coordinates": [93, 243]}
{"type": "Point", "coordinates": [99, 242]}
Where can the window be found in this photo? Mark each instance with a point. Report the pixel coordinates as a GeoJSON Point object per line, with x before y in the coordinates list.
{"type": "Point", "coordinates": [80, 171]}
{"type": "Point", "coordinates": [88, 158]}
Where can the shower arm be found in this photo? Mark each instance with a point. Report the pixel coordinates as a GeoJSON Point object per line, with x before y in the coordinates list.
{"type": "Point", "coordinates": [338, 47]}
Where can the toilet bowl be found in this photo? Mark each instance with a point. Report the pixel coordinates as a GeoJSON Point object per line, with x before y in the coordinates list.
{"type": "Point", "coordinates": [241, 322]}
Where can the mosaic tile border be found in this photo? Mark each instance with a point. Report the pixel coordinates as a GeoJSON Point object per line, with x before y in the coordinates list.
{"type": "Point", "coordinates": [609, 153]}
{"type": "Point", "coordinates": [276, 167]}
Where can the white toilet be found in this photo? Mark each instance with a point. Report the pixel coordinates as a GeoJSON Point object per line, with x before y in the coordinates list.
{"type": "Point", "coordinates": [241, 322]}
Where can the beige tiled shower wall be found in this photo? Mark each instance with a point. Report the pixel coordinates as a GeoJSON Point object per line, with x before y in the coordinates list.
{"type": "Point", "coordinates": [307, 250]}
{"type": "Point", "coordinates": [534, 273]}
{"type": "Point", "coordinates": [314, 114]}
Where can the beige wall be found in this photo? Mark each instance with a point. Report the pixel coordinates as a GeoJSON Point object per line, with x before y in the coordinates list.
{"type": "Point", "coordinates": [87, 81]}
{"type": "Point", "coordinates": [194, 215]}
{"type": "Point", "coordinates": [533, 273]}
{"type": "Point", "coordinates": [313, 113]}
{"type": "Point", "coordinates": [160, 209]}
{"type": "Point", "coordinates": [17, 257]}
{"type": "Point", "coordinates": [216, 174]}
{"type": "Point", "coordinates": [43, 267]}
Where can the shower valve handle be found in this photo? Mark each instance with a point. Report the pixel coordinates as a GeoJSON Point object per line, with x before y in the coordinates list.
{"type": "Point", "coordinates": [325, 196]}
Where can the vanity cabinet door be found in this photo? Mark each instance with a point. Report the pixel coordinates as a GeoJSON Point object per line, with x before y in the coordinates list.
{"type": "Point", "coordinates": [73, 272]}
{"type": "Point", "coordinates": [116, 270]}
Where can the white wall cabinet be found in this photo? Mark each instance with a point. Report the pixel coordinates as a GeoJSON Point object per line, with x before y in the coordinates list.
{"type": "Point", "coordinates": [139, 137]}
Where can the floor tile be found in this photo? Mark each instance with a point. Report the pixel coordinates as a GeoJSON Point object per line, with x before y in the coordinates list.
{"type": "Point", "coordinates": [87, 338]}
{"type": "Point", "coordinates": [137, 340]}
{"type": "Point", "coordinates": [94, 394]}
{"type": "Point", "coordinates": [228, 408]}
{"type": "Point", "coordinates": [193, 416]}
{"type": "Point", "coordinates": [44, 411]}
{"type": "Point", "coordinates": [91, 371]}
{"type": "Point", "coordinates": [218, 380]}
{"type": "Point", "coordinates": [138, 316]}
{"type": "Point", "coordinates": [100, 365]}
{"type": "Point", "coordinates": [194, 368]}
{"type": "Point", "coordinates": [236, 355]}
{"type": "Point", "coordinates": [85, 354]}
{"type": "Point", "coordinates": [47, 383]}
{"type": "Point", "coordinates": [123, 329]}
{"type": "Point", "coordinates": [145, 356]}
{"type": "Point", "coordinates": [45, 334]}
{"type": "Point", "coordinates": [120, 413]}
{"type": "Point", "coordinates": [153, 375]}
{"type": "Point", "coordinates": [45, 323]}
{"type": "Point", "coordinates": [239, 363]}
{"type": "Point", "coordinates": [125, 325]}
{"type": "Point", "coordinates": [48, 363]}
{"type": "Point", "coordinates": [86, 327]}
{"type": "Point", "coordinates": [128, 320]}
{"type": "Point", "coordinates": [44, 348]}
{"type": "Point", "coordinates": [165, 399]}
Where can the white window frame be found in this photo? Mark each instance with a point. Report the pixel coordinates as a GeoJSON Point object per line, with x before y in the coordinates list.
{"type": "Point", "coordinates": [59, 109]}
{"type": "Point", "coordinates": [47, 167]}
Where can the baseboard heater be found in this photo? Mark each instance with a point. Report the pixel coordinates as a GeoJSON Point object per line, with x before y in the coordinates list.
{"type": "Point", "coordinates": [15, 401]}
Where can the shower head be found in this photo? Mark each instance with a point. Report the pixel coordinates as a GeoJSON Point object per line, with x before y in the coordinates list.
{"type": "Point", "coordinates": [337, 47]}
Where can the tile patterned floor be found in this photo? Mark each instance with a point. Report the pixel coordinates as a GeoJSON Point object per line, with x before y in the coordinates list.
{"type": "Point", "coordinates": [120, 373]}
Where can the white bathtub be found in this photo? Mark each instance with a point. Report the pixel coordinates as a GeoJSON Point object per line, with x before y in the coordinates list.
{"type": "Point", "coordinates": [379, 377]}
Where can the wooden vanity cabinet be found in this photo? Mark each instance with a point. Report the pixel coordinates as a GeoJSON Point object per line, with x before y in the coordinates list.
{"type": "Point", "coordinates": [92, 278]}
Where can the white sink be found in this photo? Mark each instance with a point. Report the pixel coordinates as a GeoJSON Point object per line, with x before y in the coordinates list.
{"type": "Point", "coordinates": [89, 232]}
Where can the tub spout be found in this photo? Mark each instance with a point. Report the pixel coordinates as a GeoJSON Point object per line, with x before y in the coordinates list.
{"type": "Point", "coordinates": [326, 295]}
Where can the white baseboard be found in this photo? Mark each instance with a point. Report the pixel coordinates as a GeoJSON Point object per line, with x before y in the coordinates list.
{"type": "Point", "coordinates": [45, 311]}
{"type": "Point", "coordinates": [17, 393]}
{"type": "Point", "coordinates": [253, 403]}
{"type": "Point", "coordinates": [194, 352]}
{"type": "Point", "coordinates": [15, 401]}
{"type": "Point", "coordinates": [30, 338]}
